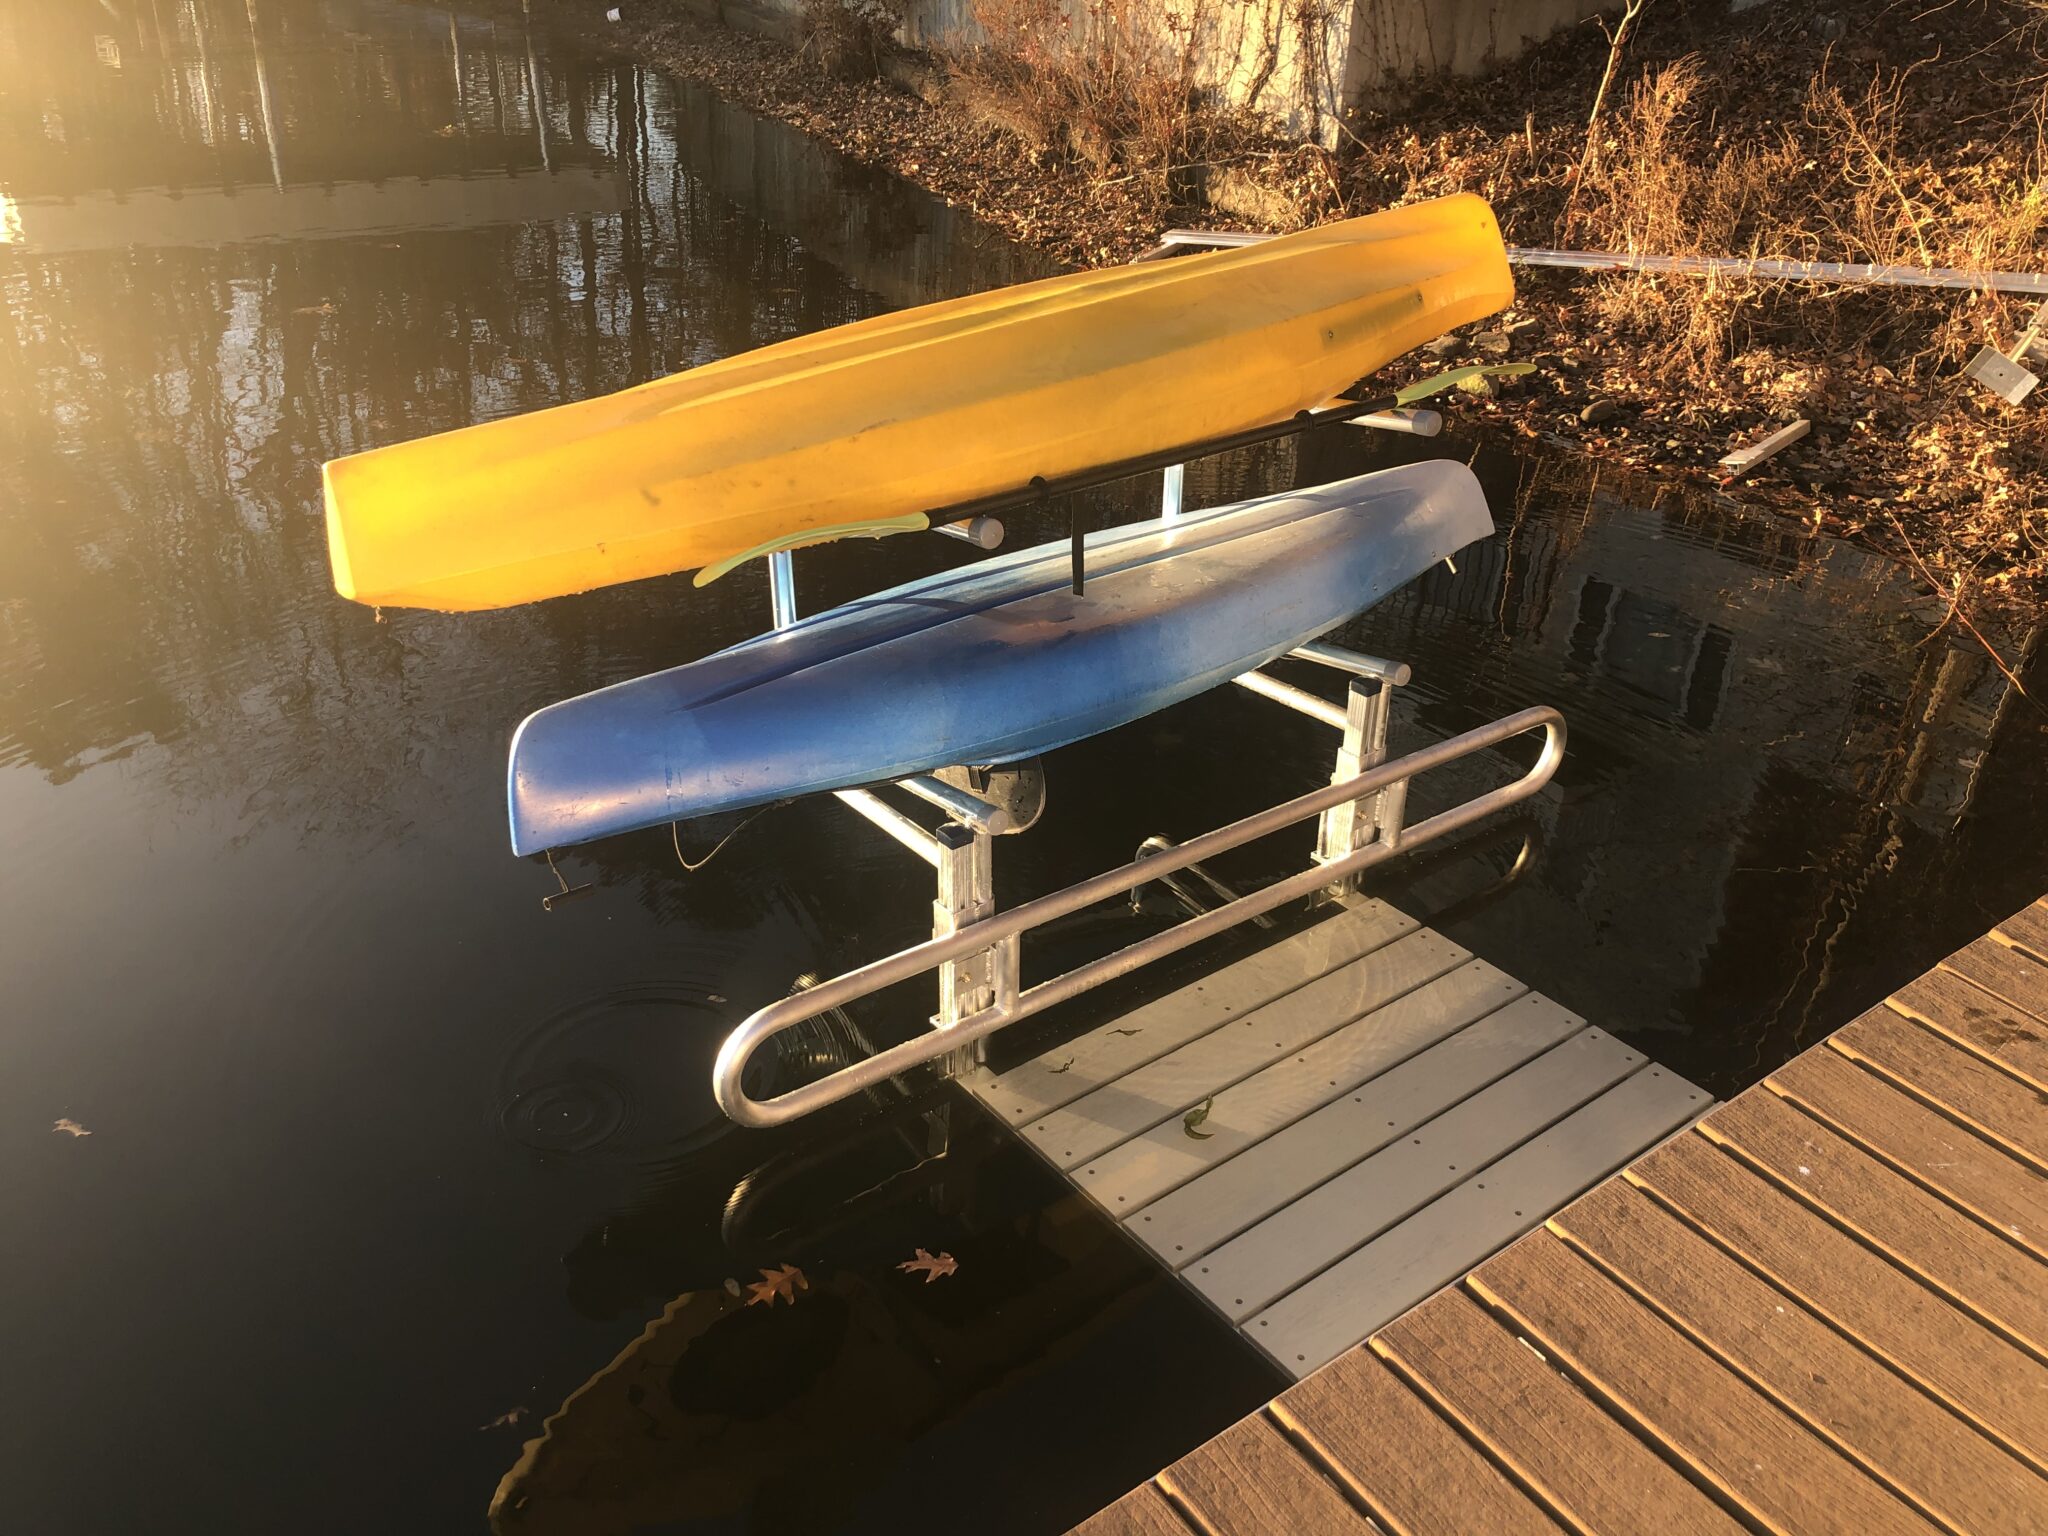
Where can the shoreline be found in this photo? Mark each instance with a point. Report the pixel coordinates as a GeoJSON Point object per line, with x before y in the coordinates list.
{"type": "Point", "coordinates": [1855, 476]}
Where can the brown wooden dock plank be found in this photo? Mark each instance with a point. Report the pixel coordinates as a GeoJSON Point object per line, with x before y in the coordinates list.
{"type": "Point", "coordinates": [1979, 1022]}
{"type": "Point", "coordinates": [1993, 1103]}
{"type": "Point", "coordinates": [1976, 1269]}
{"type": "Point", "coordinates": [1560, 1442]}
{"type": "Point", "coordinates": [1933, 1458]}
{"type": "Point", "coordinates": [1249, 1481]}
{"type": "Point", "coordinates": [1144, 1511]}
{"type": "Point", "coordinates": [1412, 1469]}
{"type": "Point", "coordinates": [1730, 1434]}
{"type": "Point", "coordinates": [1978, 1373]}
{"type": "Point", "coordinates": [1999, 1189]}
{"type": "Point", "coordinates": [2027, 929]}
{"type": "Point", "coordinates": [2004, 972]}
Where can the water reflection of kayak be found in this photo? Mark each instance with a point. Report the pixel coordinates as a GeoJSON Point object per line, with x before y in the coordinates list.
{"type": "Point", "coordinates": [904, 413]}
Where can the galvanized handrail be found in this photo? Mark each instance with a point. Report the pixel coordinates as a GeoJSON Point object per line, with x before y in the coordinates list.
{"type": "Point", "coordinates": [999, 934]}
{"type": "Point", "coordinates": [1775, 269]}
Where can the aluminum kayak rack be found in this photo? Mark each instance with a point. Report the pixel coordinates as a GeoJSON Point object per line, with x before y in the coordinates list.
{"type": "Point", "coordinates": [976, 951]}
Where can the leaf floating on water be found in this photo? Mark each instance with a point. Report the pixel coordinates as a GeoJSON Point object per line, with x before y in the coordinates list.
{"type": "Point", "coordinates": [784, 1282]}
{"type": "Point", "coordinates": [69, 1127]}
{"type": "Point", "coordinates": [1063, 1066]}
{"type": "Point", "coordinates": [503, 1421]}
{"type": "Point", "coordinates": [930, 1266]}
{"type": "Point", "coordinates": [1195, 1117]}
{"type": "Point", "coordinates": [732, 1286]}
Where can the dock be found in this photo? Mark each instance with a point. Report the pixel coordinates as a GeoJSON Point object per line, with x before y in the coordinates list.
{"type": "Point", "coordinates": [1819, 1307]}
{"type": "Point", "coordinates": [1321, 1134]}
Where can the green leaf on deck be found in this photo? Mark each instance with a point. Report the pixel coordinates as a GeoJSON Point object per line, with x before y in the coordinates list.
{"type": "Point", "coordinates": [1195, 1117]}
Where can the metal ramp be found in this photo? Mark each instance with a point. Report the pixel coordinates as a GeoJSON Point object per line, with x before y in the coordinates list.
{"type": "Point", "coordinates": [1326, 1132]}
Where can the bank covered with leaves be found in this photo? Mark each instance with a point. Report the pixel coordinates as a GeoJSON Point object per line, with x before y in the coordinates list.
{"type": "Point", "coordinates": [1896, 134]}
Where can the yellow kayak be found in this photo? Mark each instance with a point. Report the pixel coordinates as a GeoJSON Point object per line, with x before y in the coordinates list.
{"type": "Point", "coordinates": [904, 413]}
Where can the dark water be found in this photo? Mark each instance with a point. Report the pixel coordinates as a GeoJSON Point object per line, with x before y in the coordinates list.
{"type": "Point", "coordinates": [380, 1153]}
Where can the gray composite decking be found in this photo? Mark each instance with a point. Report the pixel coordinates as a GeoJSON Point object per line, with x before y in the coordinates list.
{"type": "Point", "coordinates": [1381, 1110]}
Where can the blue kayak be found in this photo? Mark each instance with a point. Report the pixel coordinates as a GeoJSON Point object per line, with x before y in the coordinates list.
{"type": "Point", "coordinates": [986, 664]}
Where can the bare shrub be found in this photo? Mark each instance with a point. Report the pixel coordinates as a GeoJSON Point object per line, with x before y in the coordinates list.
{"type": "Point", "coordinates": [851, 38]}
{"type": "Point", "coordinates": [1671, 182]}
{"type": "Point", "coordinates": [1657, 189]}
{"type": "Point", "coordinates": [1110, 86]}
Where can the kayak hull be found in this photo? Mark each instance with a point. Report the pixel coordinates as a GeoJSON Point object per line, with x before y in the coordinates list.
{"type": "Point", "coordinates": [904, 413]}
{"type": "Point", "coordinates": [986, 664]}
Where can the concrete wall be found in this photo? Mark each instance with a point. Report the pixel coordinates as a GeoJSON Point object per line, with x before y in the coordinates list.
{"type": "Point", "coordinates": [1303, 62]}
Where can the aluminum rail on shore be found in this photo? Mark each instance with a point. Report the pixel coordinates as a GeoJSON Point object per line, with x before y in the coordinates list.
{"type": "Point", "coordinates": [1776, 269]}
{"type": "Point", "coordinates": [999, 935]}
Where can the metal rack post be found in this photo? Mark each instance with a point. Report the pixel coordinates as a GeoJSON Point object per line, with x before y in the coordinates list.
{"type": "Point", "coordinates": [1343, 829]}
{"type": "Point", "coordinates": [966, 895]}
{"type": "Point", "coordinates": [781, 589]}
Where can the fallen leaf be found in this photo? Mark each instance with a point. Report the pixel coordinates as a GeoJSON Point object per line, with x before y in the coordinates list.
{"type": "Point", "coordinates": [1063, 1066]}
{"type": "Point", "coordinates": [503, 1420]}
{"type": "Point", "coordinates": [70, 1127]}
{"type": "Point", "coordinates": [928, 1266]}
{"type": "Point", "coordinates": [784, 1282]}
{"type": "Point", "coordinates": [1195, 1117]}
{"type": "Point", "coordinates": [732, 1287]}
{"type": "Point", "coordinates": [1127, 1031]}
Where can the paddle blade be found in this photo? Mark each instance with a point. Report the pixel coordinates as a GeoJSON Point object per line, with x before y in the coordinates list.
{"type": "Point", "coordinates": [1422, 389]}
{"type": "Point", "coordinates": [910, 522]}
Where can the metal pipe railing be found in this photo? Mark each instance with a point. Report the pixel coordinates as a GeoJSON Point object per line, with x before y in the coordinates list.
{"type": "Point", "coordinates": [892, 821]}
{"type": "Point", "coordinates": [1298, 699]}
{"type": "Point", "coordinates": [963, 806]}
{"type": "Point", "coordinates": [1356, 662]}
{"type": "Point", "coordinates": [999, 934]}
{"type": "Point", "coordinates": [1770, 268]}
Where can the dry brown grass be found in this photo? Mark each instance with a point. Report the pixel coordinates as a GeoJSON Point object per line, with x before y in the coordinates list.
{"type": "Point", "coordinates": [1842, 182]}
{"type": "Point", "coordinates": [1835, 186]}
{"type": "Point", "coordinates": [850, 38]}
{"type": "Point", "coordinates": [1116, 94]}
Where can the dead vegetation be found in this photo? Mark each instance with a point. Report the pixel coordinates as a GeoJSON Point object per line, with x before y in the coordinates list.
{"type": "Point", "coordinates": [1912, 138]}
{"type": "Point", "coordinates": [850, 39]}
{"type": "Point", "coordinates": [1838, 185]}
{"type": "Point", "coordinates": [1115, 93]}
{"type": "Point", "coordinates": [1850, 181]}
{"type": "Point", "coordinates": [1882, 133]}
